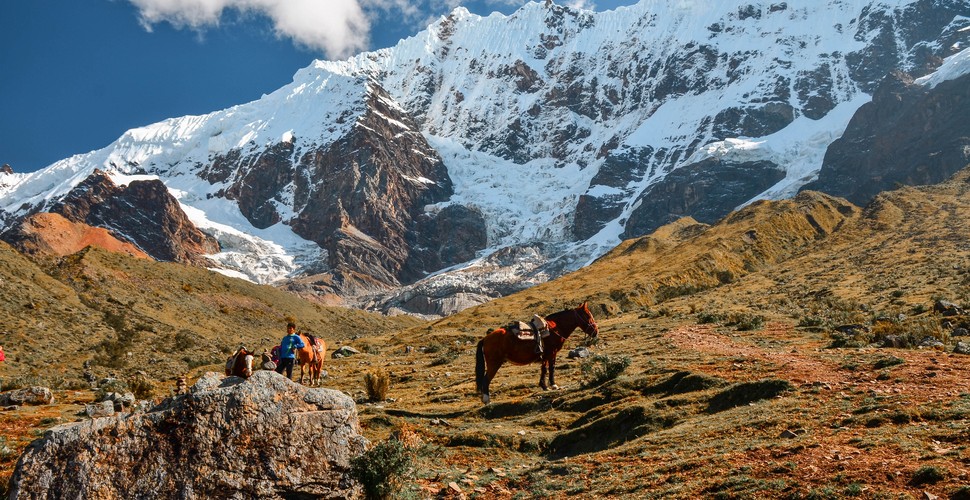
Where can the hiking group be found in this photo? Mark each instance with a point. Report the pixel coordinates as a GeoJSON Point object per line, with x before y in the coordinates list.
{"type": "Point", "coordinates": [294, 348]}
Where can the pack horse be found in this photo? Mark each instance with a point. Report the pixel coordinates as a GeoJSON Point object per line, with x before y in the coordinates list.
{"type": "Point", "coordinates": [240, 364]}
{"type": "Point", "coordinates": [503, 345]}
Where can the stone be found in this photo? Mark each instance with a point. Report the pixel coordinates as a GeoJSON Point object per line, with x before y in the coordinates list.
{"type": "Point", "coordinates": [104, 408]}
{"type": "Point", "coordinates": [263, 437]}
{"type": "Point", "coordinates": [960, 332]}
{"type": "Point", "coordinates": [123, 401]}
{"type": "Point", "coordinates": [961, 348]}
{"type": "Point", "coordinates": [579, 352]}
{"type": "Point", "coordinates": [344, 351]}
{"type": "Point", "coordinates": [947, 308]}
{"type": "Point", "coordinates": [27, 396]}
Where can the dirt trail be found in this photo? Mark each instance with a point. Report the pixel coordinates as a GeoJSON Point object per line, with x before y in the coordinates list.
{"type": "Point", "coordinates": [925, 375]}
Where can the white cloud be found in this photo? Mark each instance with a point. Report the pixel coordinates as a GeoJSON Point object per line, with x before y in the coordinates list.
{"type": "Point", "coordinates": [338, 27]}
{"type": "Point", "coordinates": [581, 4]}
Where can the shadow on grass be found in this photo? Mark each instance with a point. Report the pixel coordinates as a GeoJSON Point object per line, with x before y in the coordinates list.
{"type": "Point", "coordinates": [747, 392]}
{"type": "Point", "coordinates": [417, 414]}
{"type": "Point", "coordinates": [511, 409]}
{"type": "Point", "coordinates": [683, 382]}
{"type": "Point", "coordinates": [610, 430]}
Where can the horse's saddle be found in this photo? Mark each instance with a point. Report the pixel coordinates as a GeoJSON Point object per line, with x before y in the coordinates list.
{"type": "Point", "coordinates": [527, 331]}
{"type": "Point", "coordinates": [315, 343]}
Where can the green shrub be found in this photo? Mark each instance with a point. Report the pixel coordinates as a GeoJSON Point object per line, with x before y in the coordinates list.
{"type": "Point", "coordinates": [186, 339]}
{"type": "Point", "coordinates": [383, 469]}
{"type": "Point", "coordinates": [6, 451]}
{"type": "Point", "coordinates": [705, 318]}
{"type": "Point", "coordinates": [141, 386]}
{"type": "Point", "coordinates": [961, 493]}
{"type": "Point", "coordinates": [602, 368]}
{"type": "Point", "coordinates": [926, 474]}
{"type": "Point", "coordinates": [22, 381]}
{"type": "Point", "coordinates": [811, 322]}
{"type": "Point", "coordinates": [900, 333]}
{"type": "Point", "coordinates": [114, 385]}
{"type": "Point", "coordinates": [854, 490]}
{"type": "Point", "coordinates": [887, 362]}
{"type": "Point", "coordinates": [446, 356]}
{"type": "Point", "coordinates": [746, 322]}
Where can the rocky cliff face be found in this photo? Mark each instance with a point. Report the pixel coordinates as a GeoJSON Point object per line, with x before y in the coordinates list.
{"type": "Point", "coordinates": [143, 212]}
{"type": "Point", "coordinates": [362, 199]}
{"type": "Point", "coordinates": [265, 437]}
{"type": "Point", "coordinates": [53, 235]}
{"type": "Point", "coordinates": [910, 134]}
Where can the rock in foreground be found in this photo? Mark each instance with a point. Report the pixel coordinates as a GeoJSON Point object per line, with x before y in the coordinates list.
{"type": "Point", "coordinates": [265, 437]}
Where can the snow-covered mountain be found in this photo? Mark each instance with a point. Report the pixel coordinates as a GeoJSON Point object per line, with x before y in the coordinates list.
{"type": "Point", "coordinates": [489, 153]}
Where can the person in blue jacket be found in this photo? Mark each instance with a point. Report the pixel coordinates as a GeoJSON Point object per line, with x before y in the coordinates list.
{"type": "Point", "coordinates": [288, 346]}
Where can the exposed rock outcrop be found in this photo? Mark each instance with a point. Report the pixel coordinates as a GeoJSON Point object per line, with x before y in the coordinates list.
{"type": "Point", "coordinates": [52, 234]}
{"type": "Point", "coordinates": [265, 437]}
{"type": "Point", "coordinates": [909, 134]}
{"type": "Point", "coordinates": [143, 212]}
{"type": "Point", "coordinates": [706, 191]}
{"type": "Point", "coordinates": [27, 396]}
{"type": "Point", "coordinates": [363, 198]}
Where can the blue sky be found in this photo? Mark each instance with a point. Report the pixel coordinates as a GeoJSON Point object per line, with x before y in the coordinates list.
{"type": "Point", "coordinates": [76, 74]}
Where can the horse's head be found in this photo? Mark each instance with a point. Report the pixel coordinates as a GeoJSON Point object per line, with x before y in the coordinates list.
{"type": "Point", "coordinates": [586, 322]}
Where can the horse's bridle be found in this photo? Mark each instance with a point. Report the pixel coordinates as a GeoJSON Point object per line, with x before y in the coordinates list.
{"type": "Point", "coordinates": [590, 324]}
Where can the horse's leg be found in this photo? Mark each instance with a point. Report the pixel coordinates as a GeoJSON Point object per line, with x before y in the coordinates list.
{"type": "Point", "coordinates": [490, 372]}
{"type": "Point", "coordinates": [552, 371]}
{"type": "Point", "coordinates": [542, 375]}
{"type": "Point", "coordinates": [490, 355]}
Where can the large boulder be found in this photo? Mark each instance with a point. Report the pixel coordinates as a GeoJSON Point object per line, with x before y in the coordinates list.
{"type": "Point", "coordinates": [265, 437]}
{"type": "Point", "coordinates": [27, 396]}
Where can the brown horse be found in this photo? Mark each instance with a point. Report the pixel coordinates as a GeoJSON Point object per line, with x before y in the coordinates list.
{"type": "Point", "coordinates": [311, 358]}
{"type": "Point", "coordinates": [240, 364]}
{"type": "Point", "coordinates": [500, 346]}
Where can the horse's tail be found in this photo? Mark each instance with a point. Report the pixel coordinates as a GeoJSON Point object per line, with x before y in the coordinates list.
{"type": "Point", "coordinates": [480, 365]}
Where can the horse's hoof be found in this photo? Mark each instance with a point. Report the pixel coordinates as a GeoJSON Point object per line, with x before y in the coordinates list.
{"type": "Point", "coordinates": [544, 387]}
{"type": "Point", "coordinates": [555, 387]}
{"type": "Point", "coordinates": [485, 398]}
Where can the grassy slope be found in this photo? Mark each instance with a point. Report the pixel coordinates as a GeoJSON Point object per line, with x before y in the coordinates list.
{"type": "Point", "coordinates": [859, 426]}
{"type": "Point", "coordinates": [124, 314]}
{"type": "Point", "coordinates": [703, 410]}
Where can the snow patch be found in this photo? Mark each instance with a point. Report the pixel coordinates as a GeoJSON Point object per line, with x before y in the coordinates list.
{"type": "Point", "coordinates": [953, 67]}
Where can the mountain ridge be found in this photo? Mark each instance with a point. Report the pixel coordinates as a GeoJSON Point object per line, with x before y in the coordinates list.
{"type": "Point", "coordinates": [619, 114]}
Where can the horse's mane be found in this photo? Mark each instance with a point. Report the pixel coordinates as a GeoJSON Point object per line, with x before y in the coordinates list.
{"type": "Point", "coordinates": [555, 316]}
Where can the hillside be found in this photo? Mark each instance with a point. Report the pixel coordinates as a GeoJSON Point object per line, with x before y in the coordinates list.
{"type": "Point", "coordinates": [746, 376]}
{"type": "Point", "coordinates": [123, 314]}
{"type": "Point", "coordinates": [742, 359]}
